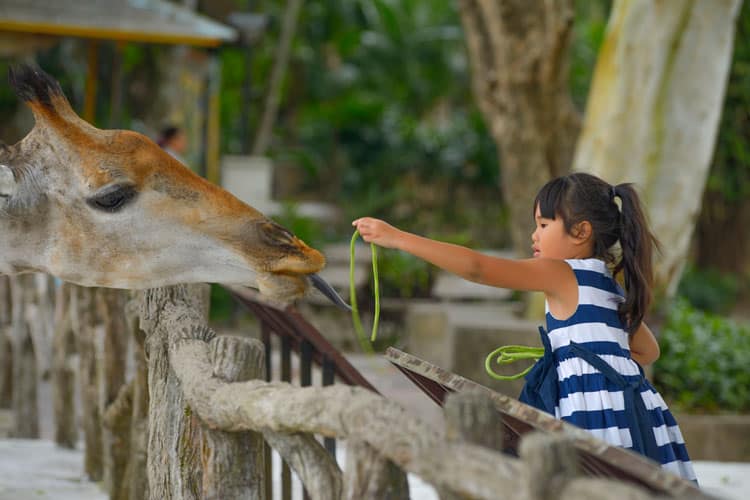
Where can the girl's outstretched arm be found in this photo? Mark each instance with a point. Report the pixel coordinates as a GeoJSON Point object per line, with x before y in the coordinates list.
{"type": "Point", "coordinates": [643, 346]}
{"type": "Point", "coordinates": [551, 276]}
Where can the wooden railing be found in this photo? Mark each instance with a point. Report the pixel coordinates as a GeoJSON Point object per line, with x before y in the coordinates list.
{"type": "Point", "coordinates": [196, 420]}
{"type": "Point", "coordinates": [384, 441]}
{"type": "Point", "coordinates": [294, 334]}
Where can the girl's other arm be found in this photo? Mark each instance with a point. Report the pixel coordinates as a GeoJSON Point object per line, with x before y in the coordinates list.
{"type": "Point", "coordinates": [643, 346]}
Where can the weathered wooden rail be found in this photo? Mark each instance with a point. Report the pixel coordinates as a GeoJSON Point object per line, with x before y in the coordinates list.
{"type": "Point", "coordinates": [294, 334]}
{"type": "Point", "coordinates": [196, 420]}
{"type": "Point", "coordinates": [382, 438]}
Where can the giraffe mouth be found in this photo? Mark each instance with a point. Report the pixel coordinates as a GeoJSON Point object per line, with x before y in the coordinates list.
{"type": "Point", "coordinates": [331, 294]}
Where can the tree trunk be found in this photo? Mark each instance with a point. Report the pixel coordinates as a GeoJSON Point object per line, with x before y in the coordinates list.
{"type": "Point", "coordinates": [63, 371]}
{"type": "Point", "coordinates": [653, 111]}
{"type": "Point", "coordinates": [714, 250]}
{"type": "Point", "coordinates": [275, 83]}
{"type": "Point", "coordinates": [518, 52]}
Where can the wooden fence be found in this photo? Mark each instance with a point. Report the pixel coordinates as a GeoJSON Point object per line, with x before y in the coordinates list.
{"type": "Point", "coordinates": [196, 420]}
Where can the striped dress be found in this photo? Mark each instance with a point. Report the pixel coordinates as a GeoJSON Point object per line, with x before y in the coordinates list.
{"type": "Point", "coordinates": [600, 388]}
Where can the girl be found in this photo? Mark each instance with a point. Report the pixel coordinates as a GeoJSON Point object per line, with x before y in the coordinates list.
{"type": "Point", "coordinates": [596, 339]}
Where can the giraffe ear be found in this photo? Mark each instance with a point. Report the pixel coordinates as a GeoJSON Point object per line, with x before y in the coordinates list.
{"type": "Point", "coordinates": [7, 182]}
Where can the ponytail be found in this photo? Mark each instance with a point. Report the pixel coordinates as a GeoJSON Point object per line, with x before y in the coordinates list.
{"type": "Point", "coordinates": [638, 245]}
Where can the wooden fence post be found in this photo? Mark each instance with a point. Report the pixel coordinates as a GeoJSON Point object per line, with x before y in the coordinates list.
{"type": "Point", "coordinates": [63, 373]}
{"type": "Point", "coordinates": [551, 462]}
{"type": "Point", "coordinates": [173, 457]}
{"type": "Point", "coordinates": [233, 461]}
{"type": "Point", "coordinates": [40, 312]}
{"type": "Point", "coordinates": [25, 407]}
{"type": "Point", "coordinates": [112, 347]}
{"type": "Point", "coordinates": [85, 324]}
{"type": "Point", "coordinates": [471, 417]}
{"type": "Point", "coordinates": [370, 476]}
{"type": "Point", "coordinates": [135, 480]}
{"type": "Point", "coordinates": [6, 346]}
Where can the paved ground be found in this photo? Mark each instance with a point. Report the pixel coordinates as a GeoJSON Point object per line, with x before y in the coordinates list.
{"type": "Point", "coordinates": [36, 469]}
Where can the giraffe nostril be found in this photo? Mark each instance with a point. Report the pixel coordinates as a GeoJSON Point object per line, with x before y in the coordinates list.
{"type": "Point", "coordinates": [276, 235]}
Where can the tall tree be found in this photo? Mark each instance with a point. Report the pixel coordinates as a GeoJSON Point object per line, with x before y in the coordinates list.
{"type": "Point", "coordinates": [726, 202]}
{"type": "Point", "coordinates": [518, 52]}
{"type": "Point", "coordinates": [653, 111]}
{"type": "Point", "coordinates": [651, 115]}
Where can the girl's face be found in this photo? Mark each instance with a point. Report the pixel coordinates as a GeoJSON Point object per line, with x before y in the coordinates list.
{"type": "Point", "coordinates": [551, 240]}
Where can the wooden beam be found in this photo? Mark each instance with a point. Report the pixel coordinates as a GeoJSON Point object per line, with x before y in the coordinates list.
{"type": "Point", "coordinates": [107, 33]}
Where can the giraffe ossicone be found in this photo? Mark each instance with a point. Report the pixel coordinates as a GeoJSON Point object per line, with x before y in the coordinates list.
{"type": "Point", "coordinates": [110, 208]}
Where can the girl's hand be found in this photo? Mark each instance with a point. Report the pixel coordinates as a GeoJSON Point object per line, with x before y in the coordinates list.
{"type": "Point", "coordinates": [377, 231]}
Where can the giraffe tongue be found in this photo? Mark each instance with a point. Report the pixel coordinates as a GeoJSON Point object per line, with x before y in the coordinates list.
{"type": "Point", "coordinates": [329, 292]}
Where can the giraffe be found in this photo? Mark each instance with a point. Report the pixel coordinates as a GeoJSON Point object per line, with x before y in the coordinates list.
{"type": "Point", "coordinates": [110, 208]}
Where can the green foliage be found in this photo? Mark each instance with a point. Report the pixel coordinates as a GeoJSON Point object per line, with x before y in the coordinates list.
{"type": "Point", "coordinates": [709, 290]}
{"type": "Point", "coordinates": [730, 172]}
{"type": "Point", "coordinates": [403, 275]}
{"type": "Point", "coordinates": [222, 304]}
{"type": "Point", "coordinates": [588, 32]}
{"type": "Point", "coordinates": [307, 229]}
{"type": "Point", "coordinates": [704, 361]}
{"type": "Point", "coordinates": [377, 91]}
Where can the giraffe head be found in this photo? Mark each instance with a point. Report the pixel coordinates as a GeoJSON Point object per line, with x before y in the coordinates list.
{"type": "Point", "coordinates": [110, 208]}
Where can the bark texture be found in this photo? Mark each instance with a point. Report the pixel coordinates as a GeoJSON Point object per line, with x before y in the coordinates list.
{"type": "Point", "coordinates": [233, 462]}
{"type": "Point", "coordinates": [334, 411]}
{"type": "Point", "coordinates": [358, 415]}
{"type": "Point", "coordinates": [518, 51]}
{"type": "Point", "coordinates": [86, 323]}
{"type": "Point", "coordinates": [6, 344]}
{"type": "Point", "coordinates": [318, 471]}
{"type": "Point", "coordinates": [135, 482]}
{"type": "Point", "coordinates": [653, 111]}
{"type": "Point", "coordinates": [112, 346]}
{"type": "Point", "coordinates": [174, 451]}
{"type": "Point", "coordinates": [370, 476]}
{"type": "Point", "coordinates": [25, 406]}
{"type": "Point", "coordinates": [63, 370]}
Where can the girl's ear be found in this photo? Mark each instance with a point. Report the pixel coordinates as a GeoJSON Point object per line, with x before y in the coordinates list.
{"type": "Point", "coordinates": [582, 231]}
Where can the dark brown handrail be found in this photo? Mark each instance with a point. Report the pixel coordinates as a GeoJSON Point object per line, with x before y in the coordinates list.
{"type": "Point", "coordinates": [291, 324]}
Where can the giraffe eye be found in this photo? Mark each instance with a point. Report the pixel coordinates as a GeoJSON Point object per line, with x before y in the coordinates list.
{"type": "Point", "coordinates": [112, 199]}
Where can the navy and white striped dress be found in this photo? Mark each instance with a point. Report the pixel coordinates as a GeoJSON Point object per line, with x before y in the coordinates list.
{"type": "Point", "coordinates": [593, 397]}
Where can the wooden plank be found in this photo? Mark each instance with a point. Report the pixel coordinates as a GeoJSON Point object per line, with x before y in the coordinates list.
{"type": "Point", "coordinates": [598, 457]}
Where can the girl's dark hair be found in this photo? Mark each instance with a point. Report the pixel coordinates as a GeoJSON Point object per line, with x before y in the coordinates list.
{"type": "Point", "coordinates": [582, 197]}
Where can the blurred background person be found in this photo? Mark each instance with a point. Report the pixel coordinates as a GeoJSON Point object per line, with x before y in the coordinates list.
{"type": "Point", "coordinates": [174, 141]}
